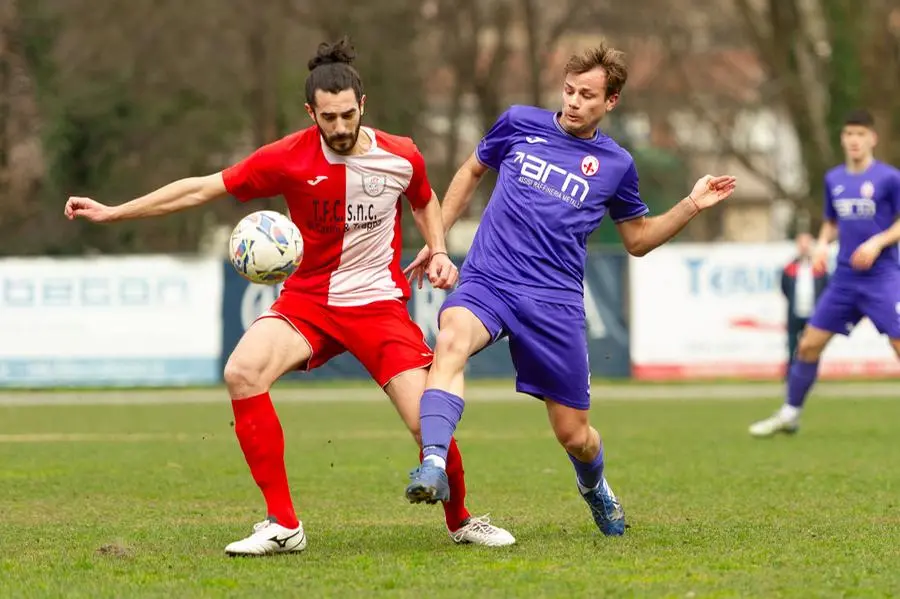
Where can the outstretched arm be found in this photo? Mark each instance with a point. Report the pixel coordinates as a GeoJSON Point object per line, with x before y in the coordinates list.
{"type": "Point", "coordinates": [644, 234]}
{"type": "Point", "coordinates": [178, 195]}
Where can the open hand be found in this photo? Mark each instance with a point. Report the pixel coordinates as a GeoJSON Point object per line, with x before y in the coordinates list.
{"type": "Point", "coordinates": [415, 272]}
{"type": "Point", "coordinates": [709, 190]}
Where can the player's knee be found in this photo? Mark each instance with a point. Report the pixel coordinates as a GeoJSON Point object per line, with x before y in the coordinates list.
{"type": "Point", "coordinates": [576, 440]}
{"type": "Point", "coordinates": [451, 346]}
{"type": "Point", "coordinates": [243, 378]}
{"type": "Point", "coordinates": [808, 349]}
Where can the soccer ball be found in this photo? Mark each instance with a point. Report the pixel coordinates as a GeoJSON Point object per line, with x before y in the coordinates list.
{"type": "Point", "coordinates": [266, 247]}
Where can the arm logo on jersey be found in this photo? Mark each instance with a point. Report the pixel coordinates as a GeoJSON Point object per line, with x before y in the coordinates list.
{"type": "Point", "coordinates": [855, 208]}
{"type": "Point", "coordinates": [551, 179]}
{"type": "Point", "coordinates": [374, 185]}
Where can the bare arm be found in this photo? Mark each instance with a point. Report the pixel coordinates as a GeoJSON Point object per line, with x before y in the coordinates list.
{"type": "Point", "coordinates": [646, 233]}
{"type": "Point", "coordinates": [887, 238]}
{"type": "Point", "coordinates": [827, 233]}
{"type": "Point", "coordinates": [866, 254]}
{"type": "Point", "coordinates": [641, 235]}
{"type": "Point", "coordinates": [441, 271]}
{"type": "Point", "coordinates": [462, 188]}
{"type": "Point", "coordinates": [178, 195]}
{"type": "Point", "coordinates": [430, 225]}
{"type": "Point", "coordinates": [457, 198]}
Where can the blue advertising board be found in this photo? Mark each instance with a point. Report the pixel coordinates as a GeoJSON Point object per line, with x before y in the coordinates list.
{"type": "Point", "coordinates": [604, 307]}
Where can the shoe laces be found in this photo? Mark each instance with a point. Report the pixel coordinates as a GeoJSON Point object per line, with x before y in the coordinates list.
{"type": "Point", "coordinates": [261, 525]}
{"type": "Point", "coordinates": [477, 524]}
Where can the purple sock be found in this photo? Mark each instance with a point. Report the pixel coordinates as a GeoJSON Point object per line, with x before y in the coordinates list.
{"type": "Point", "coordinates": [800, 380]}
{"type": "Point", "coordinates": [589, 473]}
{"type": "Point", "coordinates": [439, 413]}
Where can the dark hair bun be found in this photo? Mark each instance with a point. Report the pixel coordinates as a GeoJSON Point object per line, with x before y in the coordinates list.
{"type": "Point", "coordinates": [339, 52]}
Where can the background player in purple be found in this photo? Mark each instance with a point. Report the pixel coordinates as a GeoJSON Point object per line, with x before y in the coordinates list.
{"type": "Point", "coordinates": [523, 278]}
{"type": "Point", "coordinates": [862, 204]}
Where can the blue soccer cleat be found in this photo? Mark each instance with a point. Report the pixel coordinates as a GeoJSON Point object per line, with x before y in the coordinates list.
{"type": "Point", "coordinates": [606, 510]}
{"type": "Point", "coordinates": [429, 484]}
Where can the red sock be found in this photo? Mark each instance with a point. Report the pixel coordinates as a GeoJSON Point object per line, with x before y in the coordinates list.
{"type": "Point", "coordinates": [262, 441]}
{"type": "Point", "coordinates": [455, 512]}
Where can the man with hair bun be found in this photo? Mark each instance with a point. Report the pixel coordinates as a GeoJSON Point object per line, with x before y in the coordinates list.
{"type": "Point", "coordinates": [343, 184]}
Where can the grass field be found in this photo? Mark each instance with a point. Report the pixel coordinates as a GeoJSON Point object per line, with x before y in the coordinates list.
{"type": "Point", "coordinates": [139, 500]}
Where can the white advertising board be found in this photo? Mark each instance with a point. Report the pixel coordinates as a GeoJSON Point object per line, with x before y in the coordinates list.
{"type": "Point", "coordinates": [124, 320]}
{"type": "Point", "coordinates": [716, 310]}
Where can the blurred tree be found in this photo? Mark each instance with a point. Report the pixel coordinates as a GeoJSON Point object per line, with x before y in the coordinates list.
{"type": "Point", "coordinates": [824, 58]}
{"type": "Point", "coordinates": [21, 157]}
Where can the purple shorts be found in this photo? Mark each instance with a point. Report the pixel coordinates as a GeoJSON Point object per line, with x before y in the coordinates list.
{"type": "Point", "coordinates": [547, 340]}
{"type": "Point", "coordinates": [846, 301]}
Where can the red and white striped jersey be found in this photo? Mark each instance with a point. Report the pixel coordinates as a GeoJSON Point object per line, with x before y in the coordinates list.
{"type": "Point", "coordinates": [347, 208]}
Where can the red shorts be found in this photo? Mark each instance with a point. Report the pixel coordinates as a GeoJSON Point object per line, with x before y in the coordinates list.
{"type": "Point", "coordinates": [381, 335]}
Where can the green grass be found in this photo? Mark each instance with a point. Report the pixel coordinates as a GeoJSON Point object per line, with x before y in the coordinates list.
{"type": "Point", "coordinates": [142, 503]}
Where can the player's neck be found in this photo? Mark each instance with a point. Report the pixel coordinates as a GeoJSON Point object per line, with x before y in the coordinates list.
{"type": "Point", "coordinates": [860, 166]}
{"type": "Point", "coordinates": [363, 143]}
{"type": "Point", "coordinates": [578, 133]}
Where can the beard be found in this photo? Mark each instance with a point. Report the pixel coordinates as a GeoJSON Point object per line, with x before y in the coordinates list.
{"type": "Point", "coordinates": [341, 143]}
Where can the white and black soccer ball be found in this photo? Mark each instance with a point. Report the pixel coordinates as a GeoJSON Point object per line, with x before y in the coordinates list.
{"type": "Point", "coordinates": [266, 247]}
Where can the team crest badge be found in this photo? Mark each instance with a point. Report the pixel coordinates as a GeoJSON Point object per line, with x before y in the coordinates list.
{"type": "Point", "coordinates": [589, 165]}
{"type": "Point", "coordinates": [374, 185]}
{"type": "Point", "coordinates": [867, 190]}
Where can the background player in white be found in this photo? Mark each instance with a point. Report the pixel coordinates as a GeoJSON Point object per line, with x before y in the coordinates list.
{"type": "Point", "coordinates": [342, 183]}
{"type": "Point", "coordinates": [861, 208]}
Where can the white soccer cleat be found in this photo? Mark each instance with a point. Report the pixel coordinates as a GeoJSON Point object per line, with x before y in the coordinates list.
{"type": "Point", "coordinates": [779, 423]}
{"type": "Point", "coordinates": [480, 531]}
{"type": "Point", "coordinates": [268, 538]}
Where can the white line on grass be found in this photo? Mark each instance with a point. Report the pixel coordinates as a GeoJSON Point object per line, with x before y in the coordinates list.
{"type": "Point", "coordinates": [493, 393]}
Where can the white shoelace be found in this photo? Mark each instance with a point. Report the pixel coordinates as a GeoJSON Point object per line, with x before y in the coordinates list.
{"type": "Point", "coordinates": [261, 525]}
{"type": "Point", "coordinates": [478, 525]}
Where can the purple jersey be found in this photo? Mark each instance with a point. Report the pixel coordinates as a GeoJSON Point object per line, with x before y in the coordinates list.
{"type": "Point", "coordinates": [863, 204]}
{"type": "Point", "coordinates": [553, 189]}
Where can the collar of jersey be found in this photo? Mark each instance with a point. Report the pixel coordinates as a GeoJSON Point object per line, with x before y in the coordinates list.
{"type": "Point", "coordinates": [333, 156]}
{"type": "Point", "coordinates": [555, 116]}
{"type": "Point", "coordinates": [860, 173]}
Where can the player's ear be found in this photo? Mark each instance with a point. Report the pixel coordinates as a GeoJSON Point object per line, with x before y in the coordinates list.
{"type": "Point", "coordinates": [362, 105]}
{"type": "Point", "coordinates": [611, 102]}
{"type": "Point", "coordinates": [310, 111]}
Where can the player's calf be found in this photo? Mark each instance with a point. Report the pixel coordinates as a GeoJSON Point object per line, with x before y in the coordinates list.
{"type": "Point", "coordinates": [802, 375]}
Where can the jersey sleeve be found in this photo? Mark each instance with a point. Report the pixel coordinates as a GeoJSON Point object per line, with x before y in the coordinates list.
{"type": "Point", "coordinates": [627, 204]}
{"type": "Point", "coordinates": [259, 175]}
{"type": "Point", "coordinates": [828, 212]}
{"type": "Point", "coordinates": [495, 144]}
{"type": "Point", "coordinates": [418, 192]}
{"type": "Point", "coordinates": [895, 199]}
